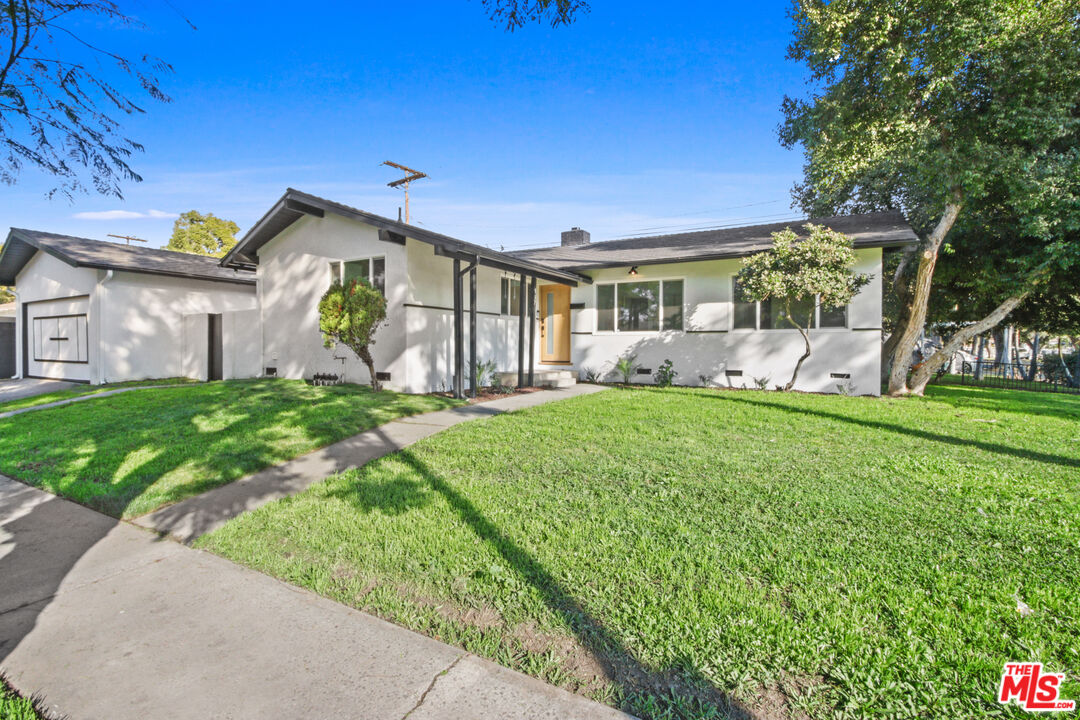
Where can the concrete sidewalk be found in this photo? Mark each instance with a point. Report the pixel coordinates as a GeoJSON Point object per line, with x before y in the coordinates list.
{"type": "Point", "coordinates": [187, 520]}
{"type": "Point", "coordinates": [108, 621]}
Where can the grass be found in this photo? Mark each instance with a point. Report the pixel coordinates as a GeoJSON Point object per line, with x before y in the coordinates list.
{"type": "Point", "coordinates": [82, 390]}
{"type": "Point", "coordinates": [698, 553]}
{"type": "Point", "coordinates": [16, 707]}
{"type": "Point", "coordinates": [997, 382]}
{"type": "Point", "coordinates": [129, 454]}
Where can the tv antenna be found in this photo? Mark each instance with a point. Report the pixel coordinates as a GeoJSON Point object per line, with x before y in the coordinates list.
{"type": "Point", "coordinates": [413, 175]}
{"type": "Point", "coordinates": [127, 238]}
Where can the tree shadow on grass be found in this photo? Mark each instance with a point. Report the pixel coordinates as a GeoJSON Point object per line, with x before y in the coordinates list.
{"type": "Point", "coordinates": [746, 399]}
{"type": "Point", "coordinates": [1021, 402]}
{"type": "Point", "coordinates": [682, 690]}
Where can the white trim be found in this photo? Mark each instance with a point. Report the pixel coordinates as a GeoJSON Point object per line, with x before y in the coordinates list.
{"type": "Point", "coordinates": [638, 279]}
{"type": "Point", "coordinates": [757, 317]}
{"type": "Point", "coordinates": [371, 268]}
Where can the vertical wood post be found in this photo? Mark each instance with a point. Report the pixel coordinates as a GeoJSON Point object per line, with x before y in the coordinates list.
{"type": "Point", "coordinates": [472, 330]}
{"type": "Point", "coordinates": [521, 331]}
{"type": "Point", "coordinates": [459, 332]}
{"type": "Point", "coordinates": [532, 326]}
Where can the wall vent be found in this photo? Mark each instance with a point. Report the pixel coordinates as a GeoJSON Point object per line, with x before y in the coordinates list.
{"type": "Point", "coordinates": [733, 373]}
{"type": "Point", "coordinates": [840, 376]}
{"type": "Point", "coordinates": [644, 371]}
{"type": "Point", "coordinates": [271, 372]}
{"type": "Point", "coordinates": [382, 375]}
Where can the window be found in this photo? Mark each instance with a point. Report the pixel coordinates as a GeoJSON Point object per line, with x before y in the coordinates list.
{"type": "Point", "coordinates": [373, 270]}
{"type": "Point", "coordinates": [770, 315]}
{"type": "Point", "coordinates": [640, 306]}
{"type": "Point", "coordinates": [511, 296]}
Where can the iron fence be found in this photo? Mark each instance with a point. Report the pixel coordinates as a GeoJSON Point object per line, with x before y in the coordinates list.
{"type": "Point", "coordinates": [1051, 377]}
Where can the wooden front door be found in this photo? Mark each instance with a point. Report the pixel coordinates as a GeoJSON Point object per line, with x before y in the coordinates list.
{"type": "Point", "coordinates": [554, 323]}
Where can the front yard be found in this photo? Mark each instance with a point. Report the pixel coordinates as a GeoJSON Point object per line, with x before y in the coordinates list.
{"type": "Point", "coordinates": [691, 553]}
{"type": "Point", "coordinates": [129, 454]}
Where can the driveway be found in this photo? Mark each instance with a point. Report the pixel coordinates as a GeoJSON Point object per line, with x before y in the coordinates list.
{"type": "Point", "coordinates": [107, 620]}
{"type": "Point", "coordinates": [29, 387]}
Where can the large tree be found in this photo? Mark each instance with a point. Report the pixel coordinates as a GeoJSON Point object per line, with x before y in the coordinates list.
{"type": "Point", "coordinates": [194, 232]}
{"type": "Point", "coordinates": [61, 94]}
{"type": "Point", "coordinates": [513, 14]}
{"type": "Point", "coordinates": [924, 106]}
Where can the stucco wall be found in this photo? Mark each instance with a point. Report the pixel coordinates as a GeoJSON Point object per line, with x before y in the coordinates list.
{"type": "Point", "coordinates": [240, 345]}
{"type": "Point", "coordinates": [142, 333]}
{"type": "Point", "coordinates": [49, 286]}
{"type": "Point", "coordinates": [709, 346]}
{"type": "Point", "coordinates": [294, 273]}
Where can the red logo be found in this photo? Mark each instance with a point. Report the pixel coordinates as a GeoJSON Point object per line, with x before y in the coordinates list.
{"type": "Point", "coordinates": [1033, 690]}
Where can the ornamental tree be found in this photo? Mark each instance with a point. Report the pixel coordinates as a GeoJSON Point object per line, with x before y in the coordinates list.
{"type": "Point", "coordinates": [925, 106]}
{"type": "Point", "coordinates": [194, 232]}
{"type": "Point", "coordinates": [349, 315]}
{"type": "Point", "coordinates": [816, 270]}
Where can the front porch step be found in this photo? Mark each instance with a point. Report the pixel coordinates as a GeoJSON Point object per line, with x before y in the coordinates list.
{"type": "Point", "coordinates": [543, 378]}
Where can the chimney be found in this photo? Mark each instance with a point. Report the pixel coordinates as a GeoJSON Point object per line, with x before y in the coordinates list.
{"type": "Point", "coordinates": [575, 236]}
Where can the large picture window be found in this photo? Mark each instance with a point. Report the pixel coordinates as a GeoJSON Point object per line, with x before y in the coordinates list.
{"type": "Point", "coordinates": [639, 306]}
{"type": "Point", "coordinates": [770, 315]}
{"type": "Point", "coordinates": [373, 270]}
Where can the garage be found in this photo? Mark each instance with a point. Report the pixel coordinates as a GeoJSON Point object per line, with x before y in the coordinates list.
{"type": "Point", "coordinates": [58, 339]}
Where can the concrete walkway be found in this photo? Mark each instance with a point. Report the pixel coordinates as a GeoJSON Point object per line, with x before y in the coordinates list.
{"type": "Point", "coordinates": [29, 387]}
{"type": "Point", "coordinates": [187, 520]}
{"type": "Point", "coordinates": [81, 398]}
{"type": "Point", "coordinates": [108, 621]}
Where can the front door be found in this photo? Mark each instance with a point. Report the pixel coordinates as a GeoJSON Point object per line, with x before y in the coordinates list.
{"type": "Point", "coordinates": [554, 324]}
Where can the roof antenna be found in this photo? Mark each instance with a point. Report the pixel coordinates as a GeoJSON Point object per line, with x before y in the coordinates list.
{"type": "Point", "coordinates": [399, 213]}
{"type": "Point", "coordinates": [127, 238]}
{"type": "Point", "coordinates": [413, 175]}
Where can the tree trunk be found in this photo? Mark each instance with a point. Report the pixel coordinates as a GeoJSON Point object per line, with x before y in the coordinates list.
{"type": "Point", "coordinates": [922, 376]}
{"type": "Point", "coordinates": [365, 356]}
{"type": "Point", "coordinates": [1033, 366]}
{"type": "Point", "coordinates": [920, 298]}
{"type": "Point", "coordinates": [1064, 366]}
{"type": "Point", "coordinates": [806, 339]}
{"type": "Point", "coordinates": [979, 358]}
{"type": "Point", "coordinates": [903, 316]}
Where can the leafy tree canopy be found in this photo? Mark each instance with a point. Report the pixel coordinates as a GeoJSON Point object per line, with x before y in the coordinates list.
{"type": "Point", "coordinates": [194, 232]}
{"type": "Point", "coordinates": [818, 268]}
{"type": "Point", "coordinates": [60, 94]}
{"type": "Point", "coordinates": [514, 14]}
{"type": "Point", "coordinates": [349, 315]}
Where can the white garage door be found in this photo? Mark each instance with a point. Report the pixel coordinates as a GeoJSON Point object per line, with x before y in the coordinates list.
{"type": "Point", "coordinates": [58, 339]}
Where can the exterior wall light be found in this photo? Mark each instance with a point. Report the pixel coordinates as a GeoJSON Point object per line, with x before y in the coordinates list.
{"type": "Point", "coordinates": [633, 271]}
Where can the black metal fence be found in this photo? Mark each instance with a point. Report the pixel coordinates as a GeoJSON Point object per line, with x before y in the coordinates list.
{"type": "Point", "coordinates": [1052, 377]}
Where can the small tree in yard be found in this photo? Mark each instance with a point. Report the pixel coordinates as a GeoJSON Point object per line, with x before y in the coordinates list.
{"type": "Point", "coordinates": [349, 315]}
{"type": "Point", "coordinates": [817, 268]}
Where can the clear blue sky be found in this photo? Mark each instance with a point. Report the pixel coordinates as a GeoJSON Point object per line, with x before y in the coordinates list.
{"type": "Point", "coordinates": [641, 115]}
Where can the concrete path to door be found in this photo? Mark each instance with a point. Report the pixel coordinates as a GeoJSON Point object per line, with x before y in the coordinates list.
{"type": "Point", "coordinates": [187, 520]}
{"type": "Point", "coordinates": [107, 620]}
{"type": "Point", "coordinates": [30, 387]}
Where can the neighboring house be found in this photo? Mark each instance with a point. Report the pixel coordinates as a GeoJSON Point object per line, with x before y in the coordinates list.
{"type": "Point", "coordinates": [7, 340]}
{"type": "Point", "coordinates": [96, 312]}
{"type": "Point", "coordinates": [663, 297]}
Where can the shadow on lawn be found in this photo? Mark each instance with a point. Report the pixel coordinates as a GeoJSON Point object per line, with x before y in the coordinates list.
{"type": "Point", "coordinates": [1022, 402]}
{"type": "Point", "coordinates": [680, 686]}
{"type": "Point", "coordinates": [744, 398]}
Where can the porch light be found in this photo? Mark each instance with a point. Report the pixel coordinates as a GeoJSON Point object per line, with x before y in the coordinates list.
{"type": "Point", "coordinates": [633, 271]}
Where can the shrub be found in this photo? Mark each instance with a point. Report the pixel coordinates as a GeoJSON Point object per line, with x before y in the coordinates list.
{"type": "Point", "coordinates": [762, 382]}
{"type": "Point", "coordinates": [665, 374]}
{"type": "Point", "coordinates": [350, 316]}
{"type": "Point", "coordinates": [627, 366]}
{"type": "Point", "coordinates": [485, 373]}
{"type": "Point", "coordinates": [590, 375]}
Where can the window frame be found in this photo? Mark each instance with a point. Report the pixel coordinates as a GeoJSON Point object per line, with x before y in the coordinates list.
{"type": "Point", "coordinates": [757, 317]}
{"type": "Point", "coordinates": [615, 306]}
{"type": "Point", "coordinates": [506, 295]}
{"type": "Point", "coordinates": [341, 263]}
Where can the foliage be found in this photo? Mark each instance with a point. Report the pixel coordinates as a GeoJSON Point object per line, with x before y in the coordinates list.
{"type": "Point", "coordinates": [938, 109]}
{"type": "Point", "coordinates": [486, 373]}
{"type": "Point", "coordinates": [590, 375]}
{"type": "Point", "coordinates": [817, 268]}
{"type": "Point", "coordinates": [665, 374]}
{"type": "Point", "coordinates": [58, 101]}
{"type": "Point", "coordinates": [627, 366]}
{"type": "Point", "coordinates": [762, 383]}
{"type": "Point", "coordinates": [6, 293]}
{"type": "Point", "coordinates": [892, 598]}
{"type": "Point", "coordinates": [350, 316]}
{"type": "Point", "coordinates": [129, 454]}
{"type": "Point", "coordinates": [194, 232]}
{"type": "Point", "coordinates": [514, 14]}
{"type": "Point", "coordinates": [16, 707]}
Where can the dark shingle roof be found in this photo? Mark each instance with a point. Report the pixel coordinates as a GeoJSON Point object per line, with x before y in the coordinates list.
{"type": "Point", "coordinates": [82, 252]}
{"type": "Point", "coordinates": [883, 229]}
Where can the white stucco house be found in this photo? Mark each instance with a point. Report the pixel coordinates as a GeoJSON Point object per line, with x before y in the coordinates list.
{"type": "Point", "coordinates": [550, 312]}
{"type": "Point", "coordinates": [91, 311]}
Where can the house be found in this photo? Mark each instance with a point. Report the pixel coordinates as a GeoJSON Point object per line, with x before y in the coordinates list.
{"type": "Point", "coordinates": [91, 311]}
{"type": "Point", "coordinates": [540, 315]}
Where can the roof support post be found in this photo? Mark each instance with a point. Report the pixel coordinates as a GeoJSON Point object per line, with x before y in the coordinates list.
{"type": "Point", "coordinates": [521, 331]}
{"type": "Point", "coordinates": [459, 332]}
{"type": "Point", "coordinates": [472, 330]}
{"type": "Point", "coordinates": [532, 326]}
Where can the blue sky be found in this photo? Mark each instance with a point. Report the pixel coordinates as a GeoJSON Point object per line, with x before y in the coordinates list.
{"type": "Point", "coordinates": [640, 117]}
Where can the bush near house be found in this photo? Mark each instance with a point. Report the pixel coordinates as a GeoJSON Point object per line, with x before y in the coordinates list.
{"type": "Point", "coordinates": [689, 553]}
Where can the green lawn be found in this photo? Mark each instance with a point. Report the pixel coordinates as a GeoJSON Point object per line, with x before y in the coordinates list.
{"type": "Point", "coordinates": [131, 453]}
{"type": "Point", "coordinates": [15, 707]}
{"type": "Point", "coordinates": [690, 553]}
{"type": "Point", "coordinates": [82, 390]}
